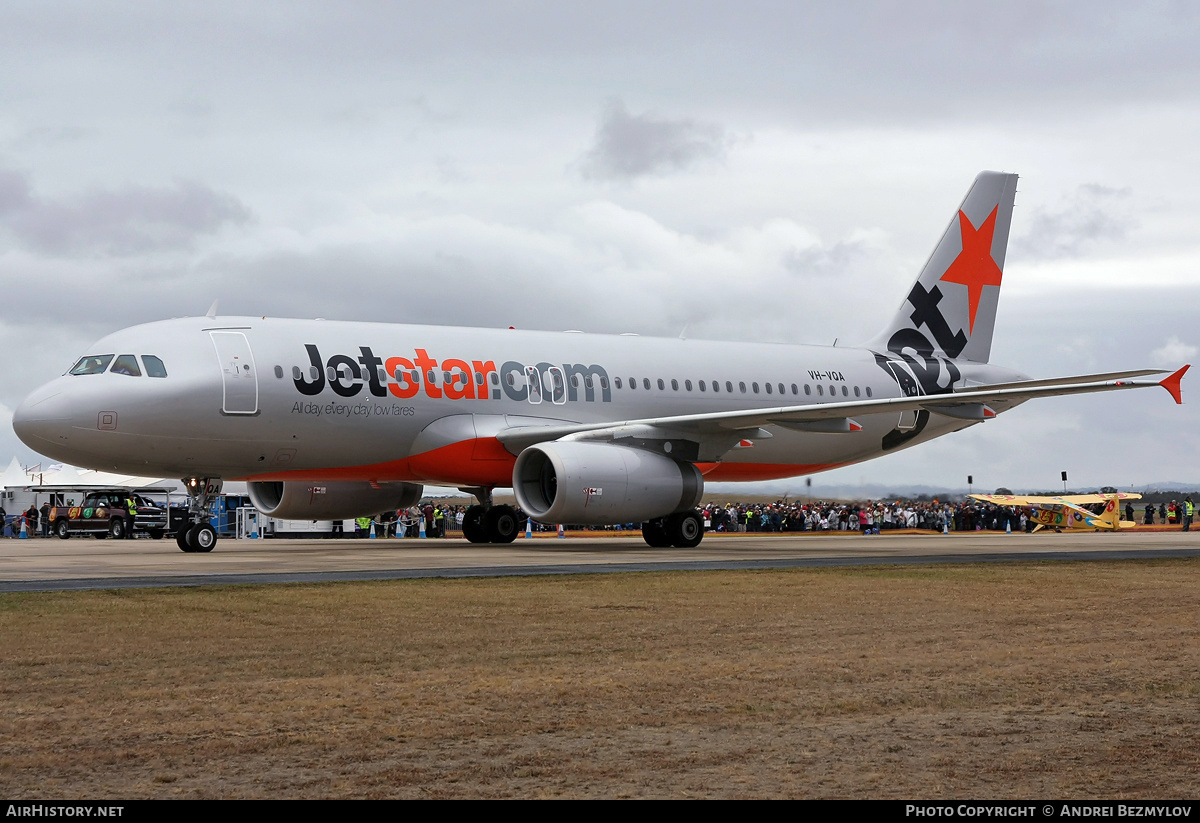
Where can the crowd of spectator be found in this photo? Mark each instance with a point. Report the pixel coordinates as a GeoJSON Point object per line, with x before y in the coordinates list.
{"type": "Point", "coordinates": [866, 517]}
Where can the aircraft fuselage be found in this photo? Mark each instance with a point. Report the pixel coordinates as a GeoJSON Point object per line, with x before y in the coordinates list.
{"type": "Point", "coordinates": [282, 399]}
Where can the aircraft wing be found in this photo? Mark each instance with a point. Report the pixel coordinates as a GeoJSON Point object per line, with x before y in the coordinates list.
{"type": "Point", "coordinates": [1053, 500]}
{"type": "Point", "coordinates": [1063, 381]}
{"type": "Point", "coordinates": [731, 426]}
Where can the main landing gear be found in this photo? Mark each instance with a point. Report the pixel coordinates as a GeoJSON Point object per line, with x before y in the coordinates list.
{"type": "Point", "coordinates": [198, 535]}
{"type": "Point", "coordinates": [486, 523]}
{"type": "Point", "coordinates": [683, 530]}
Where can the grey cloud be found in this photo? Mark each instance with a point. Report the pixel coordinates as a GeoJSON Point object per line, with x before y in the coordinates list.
{"type": "Point", "coordinates": [1090, 214]}
{"type": "Point", "coordinates": [826, 262]}
{"type": "Point", "coordinates": [124, 221]}
{"type": "Point", "coordinates": [14, 191]}
{"type": "Point", "coordinates": [629, 146]}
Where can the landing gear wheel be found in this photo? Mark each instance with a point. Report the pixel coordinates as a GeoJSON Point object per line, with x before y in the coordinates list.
{"type": "Point", "coordinates": [501, 522]}
{"type": "Point", "coordinates": [474, 526]}
{"type": "Point", "coordinates": [181, 537]}
{"type": "Point", "coordinates": [654, 532]}
{"type": "Point", "coordinates": [685, 529]}
{"type": "Point", "coordinates": [202, 537]}
{"type": "Point", "coordinates": [62, 529]}
{"type": "Point", "coordinates": [116, 530]}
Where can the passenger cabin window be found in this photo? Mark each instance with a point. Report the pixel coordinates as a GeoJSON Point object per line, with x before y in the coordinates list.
{"type": "Point", "coordinates": [126, 364]}
{"type": "Point", "coordinates": [295, 372]}
{"type": "Point", "coordinates": [279, 372]}
{"type": "Point", "coordinates": [92, 364]}
{"type": "Point", "coordinates": [154, 366]}
{"type": "Point", "coordinates": [868, 391]}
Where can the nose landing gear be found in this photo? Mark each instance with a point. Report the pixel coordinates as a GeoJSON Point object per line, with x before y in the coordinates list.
{"type": "Point", "coordinates": [198, 535]}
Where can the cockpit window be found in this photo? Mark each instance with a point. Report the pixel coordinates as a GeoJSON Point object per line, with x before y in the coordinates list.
{"type": "Point", "coordinates": [127, 364]}
{"type": "Point", "coordinates": [92, 364]}
{"type": "Point", "coordinates": [154, 366]}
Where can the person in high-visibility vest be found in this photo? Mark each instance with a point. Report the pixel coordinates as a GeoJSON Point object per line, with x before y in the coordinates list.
{"type": "Point", "coordinates": [1188, 511]}
{"type": "Point", "coordinates": [361, 526]}
{"type": "Point", "coordinates": [130, 516]}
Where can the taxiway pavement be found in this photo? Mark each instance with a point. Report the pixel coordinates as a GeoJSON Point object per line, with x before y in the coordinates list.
{"type": "Point", "coordinates": [46, 564]}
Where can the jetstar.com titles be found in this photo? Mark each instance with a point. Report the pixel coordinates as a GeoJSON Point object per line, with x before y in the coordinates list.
{"type": "Point", "coordinates": [451, 379]}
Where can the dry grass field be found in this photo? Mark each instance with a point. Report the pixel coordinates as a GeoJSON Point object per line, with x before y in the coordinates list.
{"type": "Point", "coordinates": [1031, 680]}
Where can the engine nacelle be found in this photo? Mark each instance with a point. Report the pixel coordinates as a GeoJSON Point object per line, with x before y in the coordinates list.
{"type": "Point", "coordinates": [601, 483]}
{"type": "Point", "coordinates": [314, 500]}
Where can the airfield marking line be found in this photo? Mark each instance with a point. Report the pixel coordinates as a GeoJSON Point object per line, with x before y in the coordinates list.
{"type": "Point", "coordinates": [41, 565]}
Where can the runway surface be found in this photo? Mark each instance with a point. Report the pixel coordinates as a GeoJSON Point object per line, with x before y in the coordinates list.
{"type": "Point", "coordinates": [48, 564]}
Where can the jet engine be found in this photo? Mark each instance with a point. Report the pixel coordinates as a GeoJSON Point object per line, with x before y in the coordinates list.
{"type": "Point", "coordinates": [602, 483]}
{"type": "Point", "coordinates": [305, 500]}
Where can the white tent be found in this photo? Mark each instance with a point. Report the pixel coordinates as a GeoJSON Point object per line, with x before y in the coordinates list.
{"type": "Point", "coordinates": [14, 477]}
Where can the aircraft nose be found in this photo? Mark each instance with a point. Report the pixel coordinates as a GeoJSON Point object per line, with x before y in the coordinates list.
{"type": "Point", "coordinates": [42, 418]}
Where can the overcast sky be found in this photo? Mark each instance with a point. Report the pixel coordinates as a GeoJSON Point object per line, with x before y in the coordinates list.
{"type": "Point", "coordinates": [752, 171]}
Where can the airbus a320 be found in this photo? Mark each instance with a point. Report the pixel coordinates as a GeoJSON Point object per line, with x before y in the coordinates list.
{"type": "Point", "coordinates": [334, 420]}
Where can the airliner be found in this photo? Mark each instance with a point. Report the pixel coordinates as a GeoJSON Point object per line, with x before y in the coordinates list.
{"type": "Point", "coordinates": [334, 420]}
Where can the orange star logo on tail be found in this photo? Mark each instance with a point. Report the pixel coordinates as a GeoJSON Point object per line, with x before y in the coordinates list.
{"type": "Point", "coordinates": [974, 266]}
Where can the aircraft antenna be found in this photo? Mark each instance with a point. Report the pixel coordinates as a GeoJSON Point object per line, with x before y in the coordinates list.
{"type": "Point", "coordinates": [683, 332]}
{"type": "Point", "coordinates": [212, 311]}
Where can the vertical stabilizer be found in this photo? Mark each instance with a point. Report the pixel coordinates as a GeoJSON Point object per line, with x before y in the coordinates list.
{"type": "Point", "coordinates": [951, 309]}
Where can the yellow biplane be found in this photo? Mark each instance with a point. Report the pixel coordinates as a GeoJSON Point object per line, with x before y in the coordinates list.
{"type": "Point", "coordinates": [1070, 511]}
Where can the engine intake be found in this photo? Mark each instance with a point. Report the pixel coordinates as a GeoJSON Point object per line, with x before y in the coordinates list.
{"type": "Point", "coordinates": [303, 500]}
{"type": "Point", "coordinates": [602, 483]}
